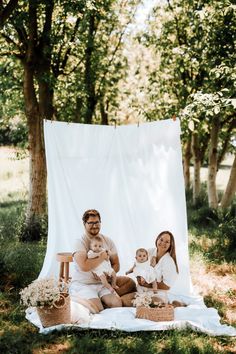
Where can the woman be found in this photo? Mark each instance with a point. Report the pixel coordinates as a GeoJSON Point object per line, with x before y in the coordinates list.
{"type": "Point", "coordinates": [163, 259]}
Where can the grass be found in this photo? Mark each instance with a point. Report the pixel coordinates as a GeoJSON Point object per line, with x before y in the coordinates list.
{"type": "Point", "coordinates": [213, 277]}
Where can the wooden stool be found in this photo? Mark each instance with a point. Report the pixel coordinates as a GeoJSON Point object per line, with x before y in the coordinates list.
{"type": "Point", "coordinates": [64, 258]}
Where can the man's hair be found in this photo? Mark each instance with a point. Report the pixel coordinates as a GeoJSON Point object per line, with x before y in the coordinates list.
{"type": "Point", "coordinates": [90, 212]}
{"type": "Point", "coordinates": [141, 250]}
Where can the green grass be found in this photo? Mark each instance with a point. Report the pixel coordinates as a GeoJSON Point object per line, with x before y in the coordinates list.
{"type": "Point", "coordinates": [20, 263]}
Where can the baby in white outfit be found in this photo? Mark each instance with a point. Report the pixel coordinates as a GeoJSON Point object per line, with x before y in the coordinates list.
{"type": "Point", "coordinates": [143, 269]}
{"type": "Point", "coordinates": [105, 267]}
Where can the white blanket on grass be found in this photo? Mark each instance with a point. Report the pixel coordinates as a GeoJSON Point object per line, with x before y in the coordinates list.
{"type": "Point", "coordinates": [134, 176]}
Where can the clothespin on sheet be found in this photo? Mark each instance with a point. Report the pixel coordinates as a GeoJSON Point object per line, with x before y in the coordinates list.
{"type": "Point", "coordinates": [138, 123]}
{"type": "Point", "coordinates": [174, 117]}
{"type": "Point", "coordinates": [114, 122]}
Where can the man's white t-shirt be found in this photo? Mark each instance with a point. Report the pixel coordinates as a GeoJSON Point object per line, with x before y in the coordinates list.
{"type": "Point", "coordinates": [82, 245]}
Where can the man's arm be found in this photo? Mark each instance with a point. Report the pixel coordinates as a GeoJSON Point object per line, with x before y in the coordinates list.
{"type": "Point", "coordinates": [87, 264]}
{"type": "Point", "coordinates": [115, 263]}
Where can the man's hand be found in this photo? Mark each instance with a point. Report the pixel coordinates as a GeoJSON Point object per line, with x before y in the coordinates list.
{"type": "Point", "coordinates": [104, 256]}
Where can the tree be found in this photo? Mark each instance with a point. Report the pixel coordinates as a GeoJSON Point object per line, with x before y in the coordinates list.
{"type": "Point", "coordinates": [195, 41]}
{"type": "Point", "coordinates": [46, 37]}
{"type": "Point", "coordinates": [29, 34]}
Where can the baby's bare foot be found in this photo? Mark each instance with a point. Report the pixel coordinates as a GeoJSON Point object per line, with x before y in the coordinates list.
{"type": "Point", "coordinates": [115, 286]}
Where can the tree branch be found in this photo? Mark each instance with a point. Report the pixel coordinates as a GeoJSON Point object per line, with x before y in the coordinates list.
{"type": "Point", "coordinates": [5, 12]}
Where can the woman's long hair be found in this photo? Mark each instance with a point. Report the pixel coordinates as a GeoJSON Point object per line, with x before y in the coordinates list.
{"type": "Point", "coordinates": [171, 249]}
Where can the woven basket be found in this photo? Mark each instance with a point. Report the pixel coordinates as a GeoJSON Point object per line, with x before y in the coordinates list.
{"type": "Point", "coordinates": [157, 314]}
{"type": "Point", "coordinates": [58, 314]}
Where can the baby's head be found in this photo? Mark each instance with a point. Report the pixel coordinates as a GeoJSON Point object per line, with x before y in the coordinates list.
{"type": "Point", "coordinates": [141, 255]}
{"type": "Point", "coordinates": [96, 244]}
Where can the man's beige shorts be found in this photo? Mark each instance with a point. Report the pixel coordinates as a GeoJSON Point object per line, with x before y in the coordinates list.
{"type": "Point", "coordinates": [88, 291]}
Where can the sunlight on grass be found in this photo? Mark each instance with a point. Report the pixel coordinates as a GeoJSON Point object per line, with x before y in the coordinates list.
{"type": "Point", "coordinates": [13, 175]}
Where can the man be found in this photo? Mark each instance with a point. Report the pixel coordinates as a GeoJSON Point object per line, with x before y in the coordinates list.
{"type": "Point", "coordinates": [86, 288]}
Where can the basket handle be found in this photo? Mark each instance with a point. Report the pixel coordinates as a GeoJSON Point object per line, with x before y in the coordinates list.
{"type": "Point", "coordinates": [63, 304]}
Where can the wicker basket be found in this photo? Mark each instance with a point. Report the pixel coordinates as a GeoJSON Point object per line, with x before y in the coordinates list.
{"type": "Point", "coordinates": [157, 314]}
{"type": "Point", "coordinates": [58, 314]}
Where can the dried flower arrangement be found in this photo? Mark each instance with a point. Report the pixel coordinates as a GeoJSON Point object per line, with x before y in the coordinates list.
{"type": "Point", "coordinates": [43, 292]}
{"type": "Point", "coordinates": [151, 309]}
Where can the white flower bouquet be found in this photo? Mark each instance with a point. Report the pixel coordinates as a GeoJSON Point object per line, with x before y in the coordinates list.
{"type": "Point", "coordinates": [51, 299]}
{"type": "Point", "coordinates": [43, 292]}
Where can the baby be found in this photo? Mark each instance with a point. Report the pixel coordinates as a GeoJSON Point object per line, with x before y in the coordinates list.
{"type": "Point", "coordinates": [143, 269]}
{"type": "Point", "coordinates": [103, 268]}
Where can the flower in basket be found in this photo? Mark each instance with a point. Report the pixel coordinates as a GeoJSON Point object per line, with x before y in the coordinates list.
{"type": "Point", "coordinates": [152, 307]}
{"type": "Point", "coordinates": [143, 299]}
{"type": "Point", "coordinates": [147, 299]}
{"type": "Point", "coordinates": [43, 292]}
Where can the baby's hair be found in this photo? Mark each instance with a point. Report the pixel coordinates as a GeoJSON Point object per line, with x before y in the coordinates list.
{"type": "Point", "coordinates": [96, 238]}
{"type": "Point", "coordinates": [141, 250]}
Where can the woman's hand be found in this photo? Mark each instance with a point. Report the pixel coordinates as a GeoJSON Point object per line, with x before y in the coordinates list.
{"type": "Point", "coordinates": [96, 277]}
{"type": "Point", "coordinates": [153, 261]}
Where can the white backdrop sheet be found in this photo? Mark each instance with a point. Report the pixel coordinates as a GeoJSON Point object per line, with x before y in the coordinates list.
{"type": "Point", "coordinates": [133, 175]}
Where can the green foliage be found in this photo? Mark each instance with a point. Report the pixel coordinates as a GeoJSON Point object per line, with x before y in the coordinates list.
{"type": "Point", "coordinates": [35, 231]}
{"type": "Point", "coordinates": [20, 263]}
{"type": "Point", "coordinates": [218, 226]}
{"type": "Point", "coordinates": [10, 215]}
{"type": "Point", "coordinates": [14, 132]}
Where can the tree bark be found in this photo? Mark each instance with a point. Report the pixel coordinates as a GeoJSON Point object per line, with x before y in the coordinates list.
{"type": "Point", "coordinates": [229, 193]}
{"type": "Point", "coordinates": [212, 164]}
{"type": "Point", "coordinates": [197, 166]}
{"type": "Point", "coordinates": [36, 207]}
{"type": "Point", "coordinates": [89, 78]}
{"type": "Point", "coordinates": [187, 157]}
{"type": "Point", "coordinates": [104, 114]}
{"type": "Point", "coordinates": [36, 64]}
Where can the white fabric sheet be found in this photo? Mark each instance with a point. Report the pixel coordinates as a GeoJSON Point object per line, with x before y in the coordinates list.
{"type": "Point", "coordinates": [133, 175]}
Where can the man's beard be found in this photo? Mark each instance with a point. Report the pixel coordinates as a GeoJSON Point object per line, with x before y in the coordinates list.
{"type": "Point", "coordinates": [94, 232]}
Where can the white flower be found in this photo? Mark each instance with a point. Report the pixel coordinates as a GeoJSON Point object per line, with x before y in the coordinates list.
{"type": "Point", "coordinates": [43, 292]}
{"type": "Point", "coordinates": [143, 299]}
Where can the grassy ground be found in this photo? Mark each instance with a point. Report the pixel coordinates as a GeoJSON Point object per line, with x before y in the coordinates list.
{"type": "Point", "coordinates": [213, 276]}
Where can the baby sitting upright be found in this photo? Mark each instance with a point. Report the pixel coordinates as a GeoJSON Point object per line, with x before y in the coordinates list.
{"type": "Point", "coordinates": [143, 269]}
{"type": "Point", "coordinates": [104, 269]}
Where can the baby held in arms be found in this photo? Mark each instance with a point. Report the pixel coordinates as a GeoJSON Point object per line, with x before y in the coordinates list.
{"type": "Point", "coordinates": [104, 269]}
{"type": "Point", "coordinates": [143, 269]}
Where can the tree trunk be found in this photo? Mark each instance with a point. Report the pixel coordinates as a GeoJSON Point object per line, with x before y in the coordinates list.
{"type": "Point", "coordinates": [187, 157]}
{"type": "Point", "coordinates": [36, 207]}
{"type": "Point", "coordinates": [104, 114]}
{"type": "Point", "coordinates": [212, 164]}
{"type": "Point", "coordinates": [231, 187]}
{"type": "Point", "coordinates": [197, 167]}
{"type": "Point", "coordinates": [89, 78]}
